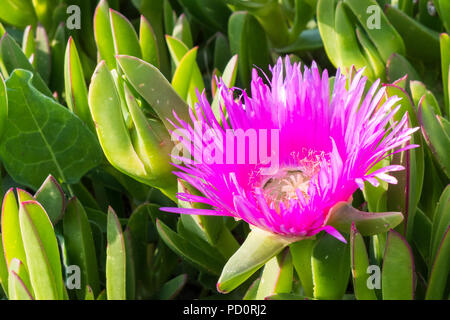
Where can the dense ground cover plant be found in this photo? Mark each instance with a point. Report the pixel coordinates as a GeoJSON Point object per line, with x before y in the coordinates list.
{"type": "Point", "coordinates": [99, 98]}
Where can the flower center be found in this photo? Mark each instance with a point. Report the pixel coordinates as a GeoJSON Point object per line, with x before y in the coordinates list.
{"type": "Point", "coordinates": [284, 185]}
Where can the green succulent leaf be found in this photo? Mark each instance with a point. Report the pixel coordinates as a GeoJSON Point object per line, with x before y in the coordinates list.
{"type": "Point", "coordinates": [19, 13]}
{"type": "Point", "coordinates": [359, 264]}
{"type": "Point", "coordinates": [415, 35]}
{"type": "Point", "coordinates": [103, 34]}
{"type": "Point", "coordinates": [258, 248]}
{"type": "Point", "coordinates": [125, 38]}
{"type": "Point", "coordinates": [194, 254]}
{"type": "Point", "coordinates": [52, 198]}
{"type": "Point", "coordinates": [149, 82]}
{"type": "Point", "coordinates": [116, 260]}
{"type": "Point", "coordinates": [80, 247]}
{"type": "Point", "coordinates": [343, 214]}
{"type": "Point", "coordinates": [330, 268]}
{"type": "Point", "coordinates": [277, 276]}
{"type": "Point", "coordinates": [75, 85]}
{"type": "Point", "coordinates": [41, 249]}
{"type": "Point", "coordinates": [397, 276]}
{"type": "Point", "coordinates": [440, 270]}
{"type": "Point", "coordinates": [148, 42]}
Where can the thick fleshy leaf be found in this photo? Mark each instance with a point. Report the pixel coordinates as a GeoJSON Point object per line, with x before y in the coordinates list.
{"type": "Point", "coordinates": [42, 58]}
{"type": "Point", "coordinates": [359, 264]}
{"type": "Point", "coordinates": [80, 246]}
{"type": "Point", "coordinates": [125, 38]}
{"type": "Point", "coordinates": [287, 296]}
{"type": "Point", "coordinates": [3, 270]}
{"type": "Point", "coordinates": [41, 249]}
{"type": "Point", "coordinates": [397, 276]}
{"type": "Point", "coordinates": [18, 268]}
{"type": "Point", "coordinates": [445, 67]}
{"type": "Point", "coordinates": [106, 110]}
{"type": "Point", "coordinates": [228, 78]}
{"type": "Point", "coordinates": [277, 276]}
{"type": "Point", "coordinates": [177, 49]}
{"type": "Point", "coordinates": [421, 235]}
{"type": "Point", "coordinates": [371, 54]}
{"type": "Point", "coordinates": [42, 137]}
{"type": "Point", "coordinates": [326, 23]}
{"type": "Point", "coordinates": [13, 58]}
{"type": "Point", "coordinates": [440, 270]}
{"type": "Point", "coordinates": [398, 66]}
{"type": "Point", "coordinates": [19, 13]}
{"type": "Point", "coordinates": [415, 35]}
{"type": "Point", "coordinates": [52, 198]}
{"type": "Point", "coordinates": [28, 42]}
{"type": "Point", "coordinates": [248, 40]}
{"type": "Point", "coordinates": [259, 247]}
{"type": "Point", "coordinates": [368, 223]}
{"type": "Point", "coordinates": [172, 287]}
{"type": "Point", "coordinates": [3, 105]}
{"type": "Point", "coordinates": [182, 78]}
{"type": "Point", "coordinates": [436, 131]}
{"type": "Point", "coordinates": [103, 34]}
{"type": "Point", "coordinates": [212, 13]}
{"type": "Point", "coordinates": [17, 288]}
{"type": "Point", "coordinates": [149, 82]}
{"type": "Point", "coordinates": [75, 85]}
{"type": "Point", "coordinates": [116, 259]}
{"type": "Point", "coordinates": [188, 250]}
{"type": "Point", "coordinates": [385, 37]}
{"type": "Point", "coordinates": [57, 49]}
{"type": "Point", "coordinates": [11, 236]}
{"type": "Point", "coordinates": [441, 222]}
{"type": "Point", "coordinates": [148, 42]}
{"type": "Point", "coordinates": [182, 31]}
{"type": "Point", "coordinates": [153, 146]}
{"type": "Point", "coordinates": [347, 45]}
{"type": "Point", "coordinates": [301, 252]}
{"type": "Point", "coordinates": [330, 268]}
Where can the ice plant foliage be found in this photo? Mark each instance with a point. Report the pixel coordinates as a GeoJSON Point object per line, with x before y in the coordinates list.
{"type": "Point", "coordinates": [329, 143]}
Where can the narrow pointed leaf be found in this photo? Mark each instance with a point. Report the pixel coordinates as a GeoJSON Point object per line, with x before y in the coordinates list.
{"type": "Point", "coordinates": [115, 259]}
{"type": "Point", "coordinates": [80, 246]}
{"type": "Point", "coordinates": [359, 264]}
{"type": "Point", "coordinates": [435, 130]}
{"type": "Point", "coordinates": [75, 85]}
{"type": "Point", "coordinates": [301, 252]}
{"type": "Point", "coordinates": [41, 250]}
{"type": "Point", "coordinates": [188, 250]}
{"type": "Point", "coordinates": [125, 38]}
{"type": "Point", "coordinates": [11, 236]}
{"type": "Point", "coordinates": [440, 270]}
{"type": "Point", "coordinates": [103, 34]}
{"type": "Point", "coordinates": [148, 42]}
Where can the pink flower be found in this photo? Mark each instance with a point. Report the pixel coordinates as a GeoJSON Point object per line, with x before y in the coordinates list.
{"type": "Point", "coordinates": [326, 149]}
